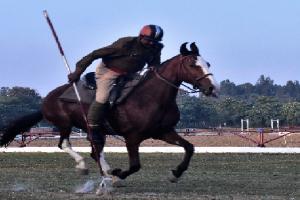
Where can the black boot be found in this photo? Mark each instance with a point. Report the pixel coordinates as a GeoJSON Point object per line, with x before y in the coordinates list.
{"type": "Point", "coordinates": [97, 113]}
{"type": "Point", "coordinates": [96, 117]}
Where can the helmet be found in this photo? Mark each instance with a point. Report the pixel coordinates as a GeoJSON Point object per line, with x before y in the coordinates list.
{"type": "Point", "coordinates": [152, 32]}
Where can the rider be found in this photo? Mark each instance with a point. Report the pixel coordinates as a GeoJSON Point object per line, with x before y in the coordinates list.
{"type": "Point", "coordinates": [125, 56]}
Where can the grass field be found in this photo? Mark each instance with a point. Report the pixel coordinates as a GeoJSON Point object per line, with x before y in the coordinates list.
{"type": "Point", "coordinates": [210, 176]}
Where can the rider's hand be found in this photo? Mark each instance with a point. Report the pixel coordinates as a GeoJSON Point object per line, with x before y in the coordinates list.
{"type": "Point", "coordinates": [73, 77]}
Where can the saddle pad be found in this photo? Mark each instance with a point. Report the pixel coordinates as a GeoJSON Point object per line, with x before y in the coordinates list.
{"type": "Point", "coordinates": [88, 96]}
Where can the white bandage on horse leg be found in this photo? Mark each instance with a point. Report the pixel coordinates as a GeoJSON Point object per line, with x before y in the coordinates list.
{"type": "Point", "coordinates": [104, 164]}
{"type": "Point", "coordinates": [66, 146]}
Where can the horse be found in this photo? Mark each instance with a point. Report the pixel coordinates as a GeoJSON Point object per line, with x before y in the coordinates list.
{"type": "Point", "coordinates": [150, 111]}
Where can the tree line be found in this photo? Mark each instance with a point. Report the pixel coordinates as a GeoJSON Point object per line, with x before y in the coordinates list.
{"type": "Point", "coordinates": [264, 87]}
{"type": "Point", "coordinates": [17, 101]}
{"type": "Point", "coordinates": [259, 102]}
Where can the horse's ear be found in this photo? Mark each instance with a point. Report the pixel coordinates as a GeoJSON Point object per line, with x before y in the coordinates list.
{"type": "Point", "coordinates": [183, 50]}
{"type": "Point", "coordinates": [194, 49]}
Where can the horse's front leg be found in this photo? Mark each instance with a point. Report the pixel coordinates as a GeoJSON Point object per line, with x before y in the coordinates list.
{"type": "Point", "coordinates": [104, 165]}
{"type": "Point", "coordinates": [134, 161]}
{"type": "Point", "coordinates": [97, 143]}
{"type": "Point", "coordinates": [173, 138]}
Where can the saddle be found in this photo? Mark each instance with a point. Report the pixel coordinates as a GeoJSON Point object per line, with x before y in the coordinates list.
{"type": "Point", "coordinates": [87, 89]}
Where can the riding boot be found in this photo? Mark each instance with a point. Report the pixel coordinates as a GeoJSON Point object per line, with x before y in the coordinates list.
{"type": "Point", "coordinates": [96, 117]}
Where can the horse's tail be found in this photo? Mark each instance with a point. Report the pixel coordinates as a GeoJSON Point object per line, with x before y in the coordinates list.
{"type": "Point", "coordinates": [18, 126]}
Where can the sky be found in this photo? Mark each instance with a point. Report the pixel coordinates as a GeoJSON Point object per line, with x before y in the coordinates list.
{"type": "Point", "coordinates": [242, 39]}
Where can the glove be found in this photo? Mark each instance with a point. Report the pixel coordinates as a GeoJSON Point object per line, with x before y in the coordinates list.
{"type": "Point", "coordinates": [73, 77]}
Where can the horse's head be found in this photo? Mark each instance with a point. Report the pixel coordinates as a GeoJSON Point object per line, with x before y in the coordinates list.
{"type": "Point", "coordinates": [195, 70]}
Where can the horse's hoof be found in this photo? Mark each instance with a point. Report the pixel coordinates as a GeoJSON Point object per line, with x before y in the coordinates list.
{"type": "Point", "coordinates": [86, 188]}
{"type": "Point", "coordinates": [105, 188]}
{"type": "Point", "coordinates": [114, 172]}
{"type": "Point", "coordinates": [172, 178]}
{"type": "Point", "coordinates": [104, 192]}
{"type": "Point", "coordinates": [117, 182]}
{"type": "Point", "coordinates": [83, 171]}
{"type": "Point", "coordinates": [107, 194]}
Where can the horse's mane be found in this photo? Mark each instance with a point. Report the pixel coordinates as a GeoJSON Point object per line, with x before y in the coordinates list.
{"type": "Point", "coordinates": [168, 60]}
{"type": "Point", "coordinates": [164, 63]}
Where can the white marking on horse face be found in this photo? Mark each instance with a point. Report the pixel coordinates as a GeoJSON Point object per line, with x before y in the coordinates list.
{"type": "Point", "coordinates": [203, 64]}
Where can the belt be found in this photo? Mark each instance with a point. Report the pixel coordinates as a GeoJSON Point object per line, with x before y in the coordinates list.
{"type": "Point", "coordinates": [117, 70]}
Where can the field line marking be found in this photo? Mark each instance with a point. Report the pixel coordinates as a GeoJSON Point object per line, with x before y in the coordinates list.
{"type": "Point", "coordinates": [162, 149]}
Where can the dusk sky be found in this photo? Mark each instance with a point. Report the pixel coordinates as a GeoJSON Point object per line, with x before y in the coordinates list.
{"type": "Point", "coordinates": [242, 39]}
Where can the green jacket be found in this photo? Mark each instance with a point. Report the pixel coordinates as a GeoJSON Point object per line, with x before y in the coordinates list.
{"type": "Point", "coordinates": [127, 55]}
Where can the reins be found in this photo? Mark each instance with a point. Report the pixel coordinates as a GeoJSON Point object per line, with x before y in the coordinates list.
{"type": "Point", "coordinates": [192, 90]}
{"type": "Point", "coordinates": [173, 85]}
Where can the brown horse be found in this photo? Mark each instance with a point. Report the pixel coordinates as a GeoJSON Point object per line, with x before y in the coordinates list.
{"type": "Point", "coordinates": [150, 111]}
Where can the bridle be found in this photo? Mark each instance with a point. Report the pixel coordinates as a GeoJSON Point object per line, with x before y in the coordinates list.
{"type": "Point", "coordinates": [192, 90]}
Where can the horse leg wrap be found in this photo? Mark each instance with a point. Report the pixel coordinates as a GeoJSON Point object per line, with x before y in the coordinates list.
{"type": "Point", "coordinates": [104, 164]}
{"type": "Point", "coordinates": [66, 146]}
{"type": "Point", "coordinates": [81, 166]}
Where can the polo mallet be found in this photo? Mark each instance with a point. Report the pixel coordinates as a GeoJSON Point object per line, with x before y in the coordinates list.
{"type": "Point", "coordinates": [74, 84]}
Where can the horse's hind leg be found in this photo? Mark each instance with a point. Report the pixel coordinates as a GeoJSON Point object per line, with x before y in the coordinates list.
{"type": "Point", "coordinates": [65, 145]}
{"type": "Point", "coordinates": [173, 138]}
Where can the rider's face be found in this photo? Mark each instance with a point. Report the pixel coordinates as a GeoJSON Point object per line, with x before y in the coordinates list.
{"type": "Point", "coordinates": [147, 43]}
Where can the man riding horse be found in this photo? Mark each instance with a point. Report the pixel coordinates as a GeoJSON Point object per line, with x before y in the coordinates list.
{"type": "Point", "coordinates": [124, 57]}
{"type": "Point", "coordinates": [150, 111]}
